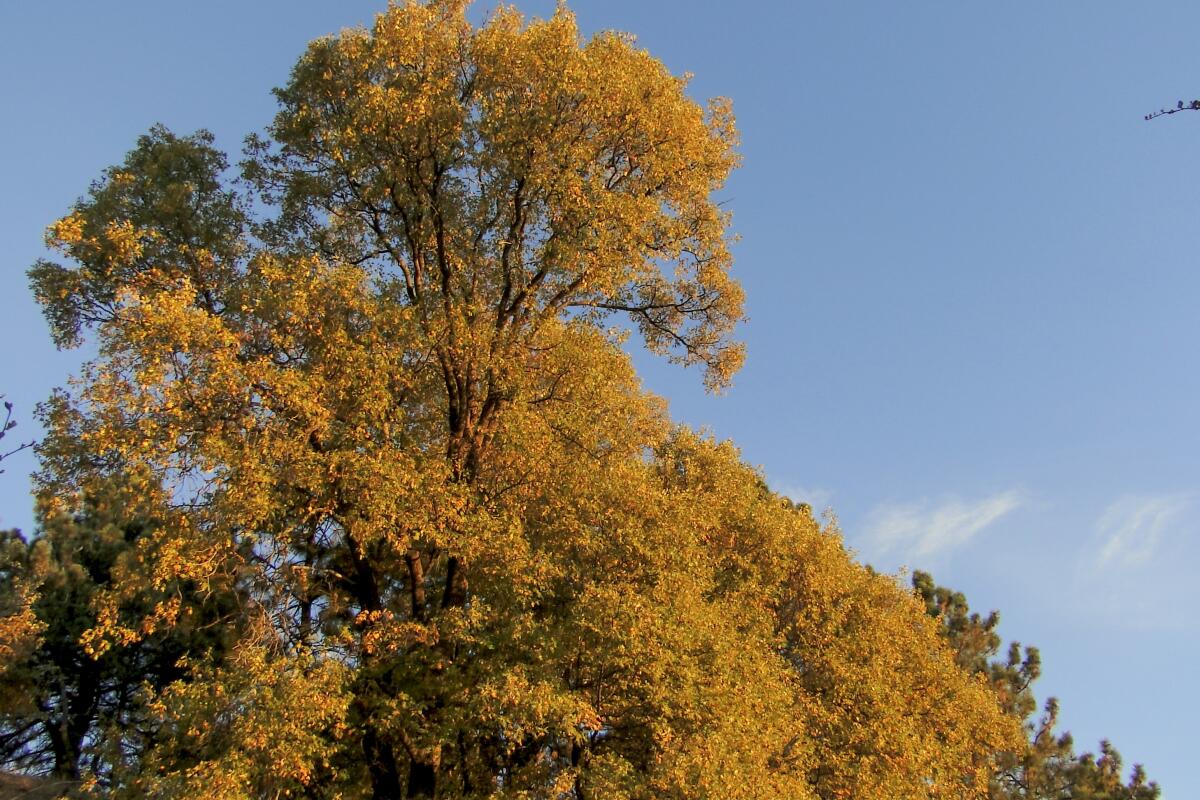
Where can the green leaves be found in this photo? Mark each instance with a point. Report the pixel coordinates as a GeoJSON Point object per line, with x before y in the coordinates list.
{"type": "Point", "coordinates": [161, 218]}
{"type": "Point", "coordinates": [1046, 767]}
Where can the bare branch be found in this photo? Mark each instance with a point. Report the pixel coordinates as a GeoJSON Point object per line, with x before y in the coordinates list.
{"type": "Point", "coordinates": [9, 424]}
{"type": "Point", "coordinates": [1180, 106]}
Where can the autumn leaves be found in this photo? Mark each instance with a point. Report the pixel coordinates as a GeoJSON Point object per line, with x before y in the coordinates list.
{"type": "Point", "coordinates": [384, 439]}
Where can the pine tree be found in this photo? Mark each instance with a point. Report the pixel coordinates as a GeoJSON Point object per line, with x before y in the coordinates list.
{"type": "Point", "coordinates": [1047, 767]}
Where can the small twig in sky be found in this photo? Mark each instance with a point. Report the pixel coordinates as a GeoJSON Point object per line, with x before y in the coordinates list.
{"type": "Point", "coordinates": [9, 424]}
{"type": "Point", "coordinates": [1180, 106]}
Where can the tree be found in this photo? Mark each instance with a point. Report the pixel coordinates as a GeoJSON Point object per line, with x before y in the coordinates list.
{"type": "Point", "coordinates": [1046, 768]}
{"type": "Point", "coordinates": [471, 555]}
{"type": "Point", "coordinates": [69, 711]}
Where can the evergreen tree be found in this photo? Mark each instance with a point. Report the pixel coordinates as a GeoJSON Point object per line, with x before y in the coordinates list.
{"type": "Point", "coordinates": [1047, 768]}
{"type": "Point", "coordinates": [69, 711]}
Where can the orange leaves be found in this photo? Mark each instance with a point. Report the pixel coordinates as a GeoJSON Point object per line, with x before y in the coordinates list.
{"type": "Point", "coordinates": [387, 636]}
{"type": "Point", "coordinates": [66, 232]}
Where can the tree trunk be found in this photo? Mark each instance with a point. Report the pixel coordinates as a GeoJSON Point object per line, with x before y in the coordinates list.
{"type": "Point", "coordinates": [381, 760]}
{"type": "Point", "coordinates": [422, 779]}
{"type": "Point", "coordinates": [455, 593]}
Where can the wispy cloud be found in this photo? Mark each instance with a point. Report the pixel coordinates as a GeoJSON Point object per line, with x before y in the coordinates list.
{"type": "Point", "coordinates": [1131, 529]}
{"type": "Point", "coordinates": [815, 496]}
{"type": "Point", "coordinates": [925, 529]}
{"type": "Point", "coordinates": [1137, 570]}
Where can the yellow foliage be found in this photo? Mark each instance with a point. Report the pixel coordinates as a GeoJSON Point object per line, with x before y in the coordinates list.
{"type": "Point", "coordinates": [20, 629]}
{"type": "Point", "coordinates": [477, 558]}
{"type": "Point", "coordinates": [258, 727]}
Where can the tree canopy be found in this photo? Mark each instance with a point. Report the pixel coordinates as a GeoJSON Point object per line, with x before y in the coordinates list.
{"type": "Point", "coordinates": [362, 497]}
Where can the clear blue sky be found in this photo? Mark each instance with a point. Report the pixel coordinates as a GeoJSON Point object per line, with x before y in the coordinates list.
{"type": "Point", "coordinates": [971, 283]}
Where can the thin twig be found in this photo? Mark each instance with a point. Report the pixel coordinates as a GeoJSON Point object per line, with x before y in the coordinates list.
{"type": "Point", "coordinates": [9, 424]}
{"type": "Point", "coordinates": [1180, 106]}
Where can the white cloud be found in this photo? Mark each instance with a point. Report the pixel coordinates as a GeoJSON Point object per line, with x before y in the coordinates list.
{"type": "Point", "coordinates": [922, 530]}
{"type": "Point", "coordinates": [815, 496]}
{"type": "Point", "coordinates": [1137, 572]}
{"type": "Point", "coordinates": [1131, 529]}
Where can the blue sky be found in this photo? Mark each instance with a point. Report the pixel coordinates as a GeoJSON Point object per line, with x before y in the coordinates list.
{"type": "Point", "coordinates": [971, 283]}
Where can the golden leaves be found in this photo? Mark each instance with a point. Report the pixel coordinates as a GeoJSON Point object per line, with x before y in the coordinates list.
{"type": "Point", "coordinates": [401, 435]}
{"type": "Point", "coordinates": [20, 629]}
{"type": "Point", "coordinates": [66, 232]}
{"type": "Point", "coordinates": [258, 727]}
{"type": "Point", "coordinates": [512, 174]}
{"type": "Point", "coordinates": [893, 714]}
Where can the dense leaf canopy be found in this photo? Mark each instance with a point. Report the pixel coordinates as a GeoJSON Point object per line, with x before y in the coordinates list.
{"type": "Point", "coordinates": [384, 441]}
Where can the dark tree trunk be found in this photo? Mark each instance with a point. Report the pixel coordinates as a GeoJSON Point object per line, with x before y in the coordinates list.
{"type": "Point", "coordinates": [455, 594]}
{"type": "Point", "coordinates": [381, 760]}
{"type": "Point", "coordinates": [422, 779]}
{"type": "Point", "coordinates": [416, 580]}
{"type": "Point", "coordinates": [576, 759]}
